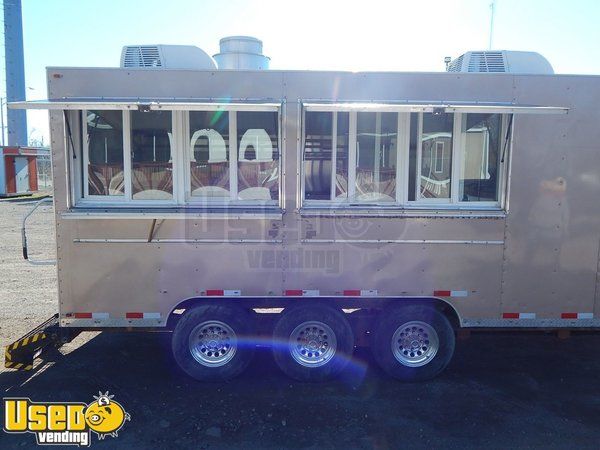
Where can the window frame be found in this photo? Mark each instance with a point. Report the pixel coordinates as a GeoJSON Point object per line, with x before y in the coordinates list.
{"type": "Point", "coordinates": [403, 123]}
{"type": "Point", "coordinates": [83, 199]}
{"type": "Point", "coordinates": [334, 138]}
{"type": "Point", "coordinates": [260, 203]}
{"type": "Point", "coordinates": [176, 142]}
{"type": "Point", "coordinates": [232, 200]}
{"type": "Point", "coordinates": [187, 155]}
{"type": "Point", "coordinates": [180, 154]}
{"type": "Point", "coordinates": [85, 195]}
{"type": "Point", "coordinates": [402, 165]}
{"type": "Point", "coordinates": [418, 201]}
{"type": "Point", "coordinates": [503, 168]}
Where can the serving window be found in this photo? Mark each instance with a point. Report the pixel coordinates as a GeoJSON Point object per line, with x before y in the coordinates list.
{"type": "Point", "coordinates": [103, 154]}
{"type": "Point", "coordinates": [376, 156]}
{"type": "Point", "coordinates": [434, 160]}
{"type": "Point", "coordinates": [151, 155]}
{"type": "Point", "coordinates": [481, 164]}
{"type": "Point", "coordinates": [258, 156]}
{"type": "Point", "coordinates": [215, 157]}
{"type": "Point", "coordinates": [403, 159]}
{"type": "Point", "coordinates": [209, 160]}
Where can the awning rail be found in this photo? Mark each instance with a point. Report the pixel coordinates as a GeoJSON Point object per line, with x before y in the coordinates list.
{"type": "Point", "coordinates": [432, 107]}
{"type": "Point", "coordinates": [171, 104]}
{"type": "Point", "coordinates": [141, 104]}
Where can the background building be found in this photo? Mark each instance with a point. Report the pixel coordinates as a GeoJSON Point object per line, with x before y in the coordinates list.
{"type": "Point", "coordinates": [24, 170]}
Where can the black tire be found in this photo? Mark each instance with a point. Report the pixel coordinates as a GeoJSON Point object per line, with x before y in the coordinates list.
{"type": "Point", "coordinates": [391, 320]}
{"type": "Point", "coordinates": [293, 317]}
{"type": "Point", "coordinates": [238, 319]}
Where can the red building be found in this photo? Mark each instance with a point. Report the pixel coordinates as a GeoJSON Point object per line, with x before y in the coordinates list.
{"type": "Point", "coordinates": [23, 170]}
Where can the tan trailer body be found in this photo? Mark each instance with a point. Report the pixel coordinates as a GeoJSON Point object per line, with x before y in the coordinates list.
{"type": "Point", "coordinates": [532, 263]}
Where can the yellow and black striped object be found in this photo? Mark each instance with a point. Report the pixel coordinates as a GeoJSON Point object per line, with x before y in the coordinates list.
{"type": "Point", "coordinates": [20, 354]}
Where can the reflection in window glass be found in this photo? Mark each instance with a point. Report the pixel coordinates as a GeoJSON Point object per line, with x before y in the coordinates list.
{"type": "Point", "coordinates": [209, 154]}
{"type": "Point", "coordinates": [436, 156]}
{"type": "Point", "coordinates": [341, 161]}
{"type": "Point", "coordinates": [105, 152]}
{"type": "Point", "coordinates": [376, 144]}
{"type": "Point", "coordinates": [151, 161]}
{"type": "Point", "coordinates": [480, 160]}
{"type": "Point", "coordinates": [317, 155]}
{"type": "Point", "coordinates": [439, 157]}
{"type": "Point", "coordinates": [258, 155]}
{"type": "Point", "coordinates": [412, 155]}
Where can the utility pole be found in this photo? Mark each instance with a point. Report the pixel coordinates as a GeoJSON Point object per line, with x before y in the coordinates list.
{"type": "Point", "coordinates": [492, 10]}
{"type": "Point", "coordinates": [16, 119]}
{"type": "Point", "coordinates": [2, 118]}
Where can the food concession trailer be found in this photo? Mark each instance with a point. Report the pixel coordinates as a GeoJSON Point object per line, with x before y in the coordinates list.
{"type": "Point", "coordinates": [322, 209]}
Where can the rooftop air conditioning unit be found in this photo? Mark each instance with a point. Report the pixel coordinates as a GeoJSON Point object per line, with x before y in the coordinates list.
{"type": "Point", "coordinates": [166, 57]}
{"type": "Point", "coordinates": [499, 61]}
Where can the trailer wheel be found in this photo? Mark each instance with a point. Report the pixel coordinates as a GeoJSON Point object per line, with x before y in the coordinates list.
{"type": "Point", "coordinates": [413, 343]}
{"type": "Point", "coordinates": [312, 342]}
{"type": "Point", "coordinates": [214, 342]}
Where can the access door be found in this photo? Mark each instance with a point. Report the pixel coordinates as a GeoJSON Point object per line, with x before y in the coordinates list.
{"type": "Point", "coordinates": [21, 174]}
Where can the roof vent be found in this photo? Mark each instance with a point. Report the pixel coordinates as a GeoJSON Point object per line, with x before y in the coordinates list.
{"type": "Point", "coordinates": [499, 61]}
{"type": "Point", "coordinates": [241, 52]}
{"type": "Point", "coordinates": [166, 57]}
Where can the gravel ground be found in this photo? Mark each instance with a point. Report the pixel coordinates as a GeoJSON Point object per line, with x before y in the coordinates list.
{"type": "Point", "coordinates": [502, 390]}
{"type": "Point", "coordinates": [28, 293]}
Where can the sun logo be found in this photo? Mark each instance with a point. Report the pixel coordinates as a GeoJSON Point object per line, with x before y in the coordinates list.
{"type": "Point", "coordinates": [105, 416]}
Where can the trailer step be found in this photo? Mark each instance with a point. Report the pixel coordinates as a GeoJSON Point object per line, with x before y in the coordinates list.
{"type": "Point", "coordinates": [20, 354]}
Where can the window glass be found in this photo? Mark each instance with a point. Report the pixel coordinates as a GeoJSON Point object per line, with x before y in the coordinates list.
{"type": "Point", "coordinates": [105, 152]}
{"type": "Point", "coordinates": [412, 155]}
{"type": "Point", "coordinates": [341, 157]}
{"type": "Point", "coordinates": [151, 160]}
{"type": "Point", "coordinates": [480, 159]}
{"type": "Point", "coordinates": [376, 144]}
{"type": "Point", "coordinates": [318, 155]}
{"type": "Point", "coordinates": [209, 154]}
{"type": "Point", "coordinates": [258, 155]}
{"type": "Point", "coordinates": [436, 156]}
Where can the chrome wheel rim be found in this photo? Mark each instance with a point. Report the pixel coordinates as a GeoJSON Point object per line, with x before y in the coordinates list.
{"type": "Point", "coordinates": [312, 344]}
{"type": "Point", "coordinates": [212, 343]}
{"type": "Point", "coordinates": [415, 343]}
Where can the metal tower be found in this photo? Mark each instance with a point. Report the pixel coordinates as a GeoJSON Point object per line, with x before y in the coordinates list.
{"type": "Point", "coordinates": [15, 71]}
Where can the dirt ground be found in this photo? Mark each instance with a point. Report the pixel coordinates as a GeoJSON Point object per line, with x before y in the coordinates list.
{"type": "Point", "coordinates": [27, 293]}
{"type": "Point", "coordinates": [500, 391]}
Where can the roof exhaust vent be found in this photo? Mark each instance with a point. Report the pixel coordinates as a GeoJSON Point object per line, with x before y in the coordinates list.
{"type": "Point", "coordinates": [241, 52]}
{"type": "Point", "coordinates": [500, 61]}
{"type": "Point", "coordinates": [166, 57]}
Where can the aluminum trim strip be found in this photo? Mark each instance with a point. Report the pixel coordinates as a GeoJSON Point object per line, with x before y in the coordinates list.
{"type": "Point", "coordinates": [149, 214]}
{"type": "Point", "coordinates": [530, 323]}
{"type": "Point", "coordinates": [155, 104]}
{"type": "Point", "coordinates": [412, 213]}
{"type": "Point", "coordinates": [112, 322]}
{"type": "Point", "coordinates": [177, 241]}
{"type": "Point", "coordinates": [425, 106]}
{"type": "Point", "coordinates": [401, 241]}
